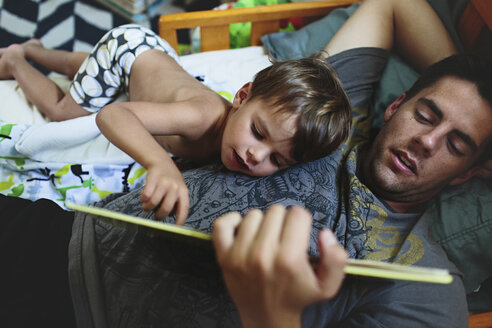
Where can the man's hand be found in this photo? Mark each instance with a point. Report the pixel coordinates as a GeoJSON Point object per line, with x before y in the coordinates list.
{"type": "Point", "coordinates": [166, 192]}
{"type": "Point", "coordinates": [266, 267]}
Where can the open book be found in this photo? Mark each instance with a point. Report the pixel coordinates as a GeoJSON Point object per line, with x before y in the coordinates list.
{"type": "Point", "coordinates": [354, 266]}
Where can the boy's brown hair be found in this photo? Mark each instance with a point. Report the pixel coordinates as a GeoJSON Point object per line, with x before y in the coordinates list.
{"type": "Point", "coordinates": [310, 89]}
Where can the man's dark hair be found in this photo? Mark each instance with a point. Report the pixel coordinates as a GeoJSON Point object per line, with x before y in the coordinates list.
{"type": "Point", "coordinates": [474, 68]}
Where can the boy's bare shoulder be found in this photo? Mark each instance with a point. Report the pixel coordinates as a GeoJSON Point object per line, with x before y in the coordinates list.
{"type": "Point", "coordinates": [201, 128]}
{"type": "Point", "coordinates": [209, 111]}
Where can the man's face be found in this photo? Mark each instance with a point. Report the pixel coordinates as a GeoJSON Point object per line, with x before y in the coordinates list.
{"type": "Point", "coordinates": [256, 141]}
{"type": "Point", "coordinates": [428, 142]}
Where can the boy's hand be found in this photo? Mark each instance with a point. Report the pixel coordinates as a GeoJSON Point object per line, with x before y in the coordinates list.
{"type": "Point", "coordinates": [166, 192]}
{"type": "Point", "coordinates": [266, 267]}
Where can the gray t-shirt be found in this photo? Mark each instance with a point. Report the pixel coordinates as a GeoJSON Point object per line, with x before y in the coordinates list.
{"type": "Point", "coordinates": [125, 278]}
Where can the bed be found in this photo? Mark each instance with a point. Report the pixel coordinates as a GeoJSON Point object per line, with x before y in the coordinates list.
{"type": "Point", "coordinates": [463, 223]}
{"type": "Point", "coordinates": [47, 159]}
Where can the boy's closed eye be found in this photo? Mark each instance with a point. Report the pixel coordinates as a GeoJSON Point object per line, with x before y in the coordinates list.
{"type": "Point", "coordinates": [276, 161]}
{"type": "Point", "coordinates": [273, 157]}
{"type": "Point", "coordinates": [256, 132]}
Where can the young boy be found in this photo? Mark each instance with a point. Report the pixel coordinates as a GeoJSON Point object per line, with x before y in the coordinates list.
{"type": "Point", "coordinates": [294, 111]}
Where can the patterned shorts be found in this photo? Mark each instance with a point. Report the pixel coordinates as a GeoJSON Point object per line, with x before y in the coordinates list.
{"type": "Point", "coordinates": [105, 74]}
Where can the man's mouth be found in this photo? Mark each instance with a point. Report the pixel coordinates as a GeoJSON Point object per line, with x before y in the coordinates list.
{"type": "Point", "coordinates": [407, 162]}
{"type": "Point", "coordinates": [240, 161]}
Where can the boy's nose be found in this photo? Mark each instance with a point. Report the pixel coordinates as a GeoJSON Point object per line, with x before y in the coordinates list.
{"type": "Point", "coordinates": [257, 154]}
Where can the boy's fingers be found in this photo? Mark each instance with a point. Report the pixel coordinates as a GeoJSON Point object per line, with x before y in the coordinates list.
{"type": "Point", "coordinates": [147, 205]}
{"type": "Point", "coordinates": [183, 206]}
{"type": "Point", "coordinates": [152, 196]}
{"type": "Point", "coordinates": [169, 201]}
{"type": "Point", "coordinates": [167, 205]}
{"type": "Point", "coordinates": [155, 200]}
{"type": "Point", "coordinates": [147, 191]}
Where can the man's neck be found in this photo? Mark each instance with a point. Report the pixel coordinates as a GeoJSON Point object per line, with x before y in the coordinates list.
{"type": "Point", "coordinates": [400, 207]}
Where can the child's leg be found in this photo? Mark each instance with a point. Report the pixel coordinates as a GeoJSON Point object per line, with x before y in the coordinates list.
{"type": "Point", "coordinates": [39, 89]}
{"type": "Point", "coordinates": [60, 61]}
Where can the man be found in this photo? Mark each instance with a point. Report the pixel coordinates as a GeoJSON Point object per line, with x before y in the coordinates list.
{"type": "Point", "coordinates": [372, 197]}
{"type": "Point", "coordinates": [437, 134]}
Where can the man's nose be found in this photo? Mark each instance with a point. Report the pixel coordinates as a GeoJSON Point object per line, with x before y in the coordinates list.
{"type": "Point", "coordinates": [429, 142]}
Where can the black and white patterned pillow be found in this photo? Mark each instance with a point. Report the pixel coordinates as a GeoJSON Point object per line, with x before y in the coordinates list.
{"type": "Point", "coordinates": [72, 25]}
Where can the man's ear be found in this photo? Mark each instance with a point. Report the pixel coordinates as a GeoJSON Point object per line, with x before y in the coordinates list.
{"type": "Point", "coordinates": [242, 95]}
{"type": "Point", "coordinates": [483, 171]}
{"type": "Point", "coordinates": [393, 107]}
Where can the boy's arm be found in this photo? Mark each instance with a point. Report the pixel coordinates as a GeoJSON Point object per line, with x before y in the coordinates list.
{"type": "Point", "coordinates": [130, 126]}
{"type": "Point", "coordinates": [411, 26]}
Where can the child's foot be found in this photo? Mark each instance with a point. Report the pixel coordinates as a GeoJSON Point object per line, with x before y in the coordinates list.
{"type": "Point", "coordinates": [8, 56]}
{"type": "Point", "coordinates": [29, 43]}
{"type": "Point", "coordinates": [32, 43]}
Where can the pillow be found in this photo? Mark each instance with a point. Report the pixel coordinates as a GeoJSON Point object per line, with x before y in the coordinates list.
{"type": "Point", "coordinates": [309, 39]}
{"type": "Point", "coordinates": [462, 225]}
{"type": "Point", "coordinates": [462, 221]}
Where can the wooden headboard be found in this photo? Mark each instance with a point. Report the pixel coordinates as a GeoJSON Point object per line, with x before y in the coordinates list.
{"type": "Point", "coordinates": [214, 24]}
{"type": "Point", "coordinates": [476, 17]}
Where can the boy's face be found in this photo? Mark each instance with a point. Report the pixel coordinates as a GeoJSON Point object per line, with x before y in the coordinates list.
{"type": "Point", "coordinates": [256, 141]}
{"type": "Point", "coordinates": [430, 141]}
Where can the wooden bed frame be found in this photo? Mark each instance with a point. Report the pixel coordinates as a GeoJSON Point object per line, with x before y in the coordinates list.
{"type": "Point", "coordinates": [214, 24]}
{"type": "Point", "coordinates": [214, 30]}
{"type": "Point", "coordinates": [476, 18]}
